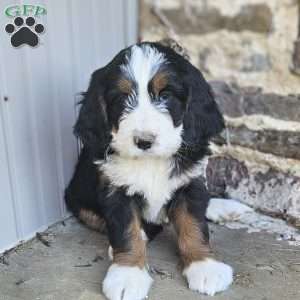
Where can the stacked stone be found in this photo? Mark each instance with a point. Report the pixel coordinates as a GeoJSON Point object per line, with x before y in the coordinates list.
{"type": "Point", "coordinates": [257, 157]}
{"type": "Point", "coordinates": [248, 42]}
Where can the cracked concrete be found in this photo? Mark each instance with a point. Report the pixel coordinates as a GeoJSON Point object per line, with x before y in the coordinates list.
{"type": "Point", "coordinates": [74, 264]}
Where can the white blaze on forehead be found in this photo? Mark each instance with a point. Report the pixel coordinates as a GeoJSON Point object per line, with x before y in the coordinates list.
{"type": "Point", "coordinates": [141, 113]}
{"type": "Point", "coordinates": [142, 65]}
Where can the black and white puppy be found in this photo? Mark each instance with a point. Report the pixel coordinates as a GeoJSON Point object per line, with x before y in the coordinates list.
{"type": "Point", "coordinates": [145, 124]}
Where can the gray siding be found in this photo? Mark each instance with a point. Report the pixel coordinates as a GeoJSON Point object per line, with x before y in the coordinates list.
{"type": "Point", "coordinates": [37, 148]}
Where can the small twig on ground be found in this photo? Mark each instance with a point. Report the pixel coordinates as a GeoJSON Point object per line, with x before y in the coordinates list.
{"type": "Point", "coordinates": [83, 266]}
{"type": "Point", "coordinates": [162, 273]}
{"type": "Point", "coordinates": [97, 258]}
{"type": "Point", "coordinates": [42, 239]}
{"type": "Point", "coordinates": [20, 281]}
{"type": "Point", "coordinates": [243, 279]}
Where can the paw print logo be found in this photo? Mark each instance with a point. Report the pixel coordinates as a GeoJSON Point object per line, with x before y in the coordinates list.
{"type": "Point", "coordinates": [24, 33]}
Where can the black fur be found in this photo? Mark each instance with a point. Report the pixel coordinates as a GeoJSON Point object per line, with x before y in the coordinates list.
{"type": "Point", "coordinates": [99, 112]}
{"type": "Point", "coordinates": [192, 104]}
{"type": "Point", "coordinates": [82, 189]}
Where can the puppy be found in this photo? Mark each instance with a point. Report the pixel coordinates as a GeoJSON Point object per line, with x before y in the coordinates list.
{"type": "Point", "coordinates": [145, 124]}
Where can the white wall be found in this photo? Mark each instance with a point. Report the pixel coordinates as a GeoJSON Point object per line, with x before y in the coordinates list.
{"type": "Point", "coordinates": [37, 148]}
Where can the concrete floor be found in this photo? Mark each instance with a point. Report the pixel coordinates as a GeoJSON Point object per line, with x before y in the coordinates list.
{"type": "Point", "coordinates": [74, 264]}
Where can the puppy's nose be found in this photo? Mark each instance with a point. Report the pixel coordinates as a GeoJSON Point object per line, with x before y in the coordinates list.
{"type": "Point", "coordinates": [144, 140]}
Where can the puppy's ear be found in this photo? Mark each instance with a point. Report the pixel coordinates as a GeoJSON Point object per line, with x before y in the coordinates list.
{"type": "Point", "coordinates": [92, 126]}
{"type": "Point", "coordinates": [202, 119]}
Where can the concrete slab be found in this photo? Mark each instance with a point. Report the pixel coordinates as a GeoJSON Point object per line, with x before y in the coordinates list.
{"type": "Point", "coordinates": [74, 265]}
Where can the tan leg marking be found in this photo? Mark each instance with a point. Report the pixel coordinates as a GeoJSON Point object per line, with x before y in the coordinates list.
{"type": "Point", "coordinates": [91, 219]}
{"type": "Point", "coordinates": [191, 243]}
{"type": "Point", "coordinates": [136, 253]}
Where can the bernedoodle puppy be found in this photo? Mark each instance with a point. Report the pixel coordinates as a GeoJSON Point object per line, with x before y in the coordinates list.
{"type": "Point", "coordinates": [145, 125]}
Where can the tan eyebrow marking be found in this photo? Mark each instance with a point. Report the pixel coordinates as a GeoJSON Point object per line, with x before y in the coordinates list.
{"type": "Point", "coordinates": [159, 82]}
{"type": "Point", "coordinates": [125, 85]}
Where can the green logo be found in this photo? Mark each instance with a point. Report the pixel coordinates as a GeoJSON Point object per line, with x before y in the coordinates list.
{"type": "Point", "coordinates": [25, 29]}
{"type": "Point", "coordinates": [25, 10]}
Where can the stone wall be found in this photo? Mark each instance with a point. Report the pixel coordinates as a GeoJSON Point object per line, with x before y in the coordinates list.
{"type": "Point", "coordinates": [244, 47]}
{"type": "Point", "coordinates": [257, 157]}
{"type": "Point", "coordinates": [249, 42]}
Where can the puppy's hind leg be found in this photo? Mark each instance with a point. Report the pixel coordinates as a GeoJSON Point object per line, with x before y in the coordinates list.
{"type": "Point", "coordinates": [92, 220]}
{"type": "Point", "coordinates": [226, 210]}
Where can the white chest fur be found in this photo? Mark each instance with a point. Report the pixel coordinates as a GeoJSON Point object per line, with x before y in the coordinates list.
{"type": "Point", "coordinates": [149, 177]}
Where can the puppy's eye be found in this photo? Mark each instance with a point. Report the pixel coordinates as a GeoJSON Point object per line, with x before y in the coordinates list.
{"type": "Point", "coordinates": [165, 95]}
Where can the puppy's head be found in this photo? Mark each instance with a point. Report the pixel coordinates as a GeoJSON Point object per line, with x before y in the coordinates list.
{"type": "Point", "coordinates": [148, 101]}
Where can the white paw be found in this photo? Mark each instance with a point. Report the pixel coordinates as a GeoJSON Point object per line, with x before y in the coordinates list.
{"type": "Point", "coordinates": [208, 276]}
{"type": "Point", "coordinates": [222, 210]}
{"type": "Point", "coordinates": [126, 283]}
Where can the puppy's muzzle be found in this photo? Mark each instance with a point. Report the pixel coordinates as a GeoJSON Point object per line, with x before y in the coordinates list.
{"type": "Point", "coordinates": [144, 140]}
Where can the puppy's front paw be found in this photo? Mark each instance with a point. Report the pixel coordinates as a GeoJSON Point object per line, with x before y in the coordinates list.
{"type": "Point", "coordinates": [126, 283]}
{"type": "Point", "coordinates": [208, 276]}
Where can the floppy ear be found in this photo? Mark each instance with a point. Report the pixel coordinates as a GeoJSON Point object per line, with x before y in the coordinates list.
{"type": "Point", "coordinates": [202, 119]}
{"type": "Point", "coordinates": [92, 126]}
